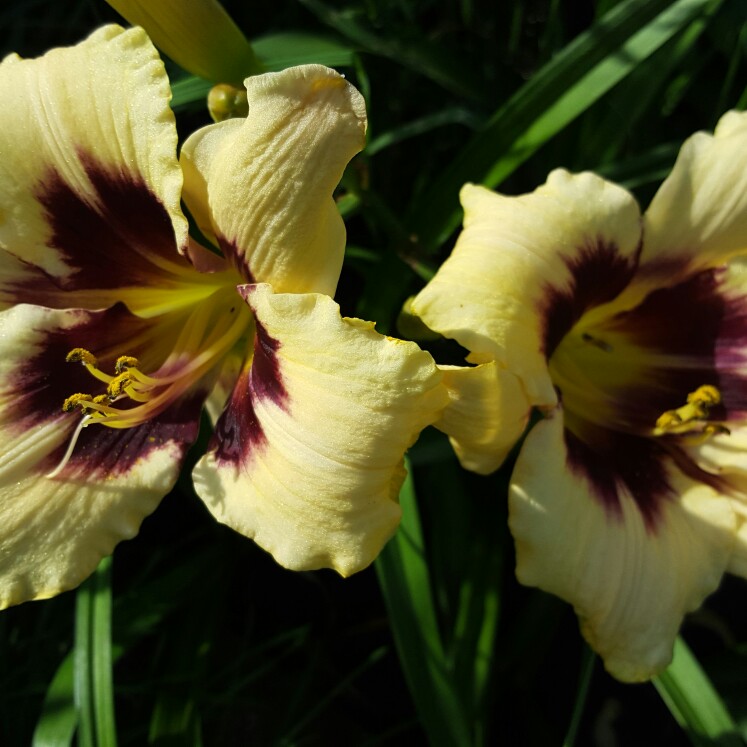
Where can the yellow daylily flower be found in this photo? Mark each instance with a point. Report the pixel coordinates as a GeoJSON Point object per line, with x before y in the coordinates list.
{"type": "Point", "coordinates": [197, 34]}
{"type": "Point", "coordinates": [628, 335]}
{"type": "Point", "coordinates": [314, 411]}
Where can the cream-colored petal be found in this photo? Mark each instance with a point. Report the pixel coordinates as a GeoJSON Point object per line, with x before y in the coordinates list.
{"type": "Point", "coordinates": [486, 415]}
{"type": "Point", "coordinates": [308, 457]}
{"type": "Point", "coordinates": [54, 530]}
{"type": "Point", "coordinates": [630, 584]}
{"type": "Point", "coordinates": [269, 182]}
{"type": "Point", "coordinates": [89, 181]}
{"type": "Point", "coordinates": [199, 36]}
{"type": "Point", "coordinates": [698, 218]}
{"type": "Point", "coordinates": [725, 455]}
{"type": "Point", "coordinates": [525, 268]}
{"type": "Point", "coordinates": [196, 157]}
{"type": "Point", "coordinates": [738, 561]}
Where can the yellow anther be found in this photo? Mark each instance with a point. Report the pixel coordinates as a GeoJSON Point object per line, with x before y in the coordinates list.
{"type": "Point", "coordinates": [117, 385]}
{"type": "Point", "coordinates": [124, 362]}
{"type": "Point", "coordinates": [76, 400]}
{"type": "Point", "coordinates": [706, 395]}
{"type": "Point", "coordinates": [81, 355]}
{"type": "Point", "coordinates": [668, 419]}
{"type": "Point", "coordinates": [101, 399]}
{"type": "Point", "coordinates": [692, 418]}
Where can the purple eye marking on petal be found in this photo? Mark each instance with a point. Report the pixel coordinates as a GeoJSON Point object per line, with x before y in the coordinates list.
{"type": "Point", "coordinates": [682, 319]}
{"type": "Point", "coordinates": [265, 373]}
{"type": "Point", "coordinates": [731, 356]}
{"type": "Point", "coordinates": [617, 461]}
{"type": "Point", "coordinates": [599, 273]}
{"type": "Point", "coordinates": [108, 238]}
{"type": "Point", "coordinates": [699, 333]}
{"type": "Point", "coordinates": [232, 254]}
{"type": "Point", "coordinates": [102, 451]}
{"type": "Point", "coordinates": [43, 381]}
{"type": "Point", "coordinates": [238, 431]}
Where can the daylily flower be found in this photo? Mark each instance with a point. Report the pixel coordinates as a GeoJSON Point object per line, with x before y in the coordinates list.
{"type": "Point", "coordinates": [96, 266]}
{"type": "Point", "coordinates": [628, 336]}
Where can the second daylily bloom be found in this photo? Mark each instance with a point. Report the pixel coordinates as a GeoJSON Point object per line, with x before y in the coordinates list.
{"type": "Point", "coordinates": [628, 334]}
{"type": "Point", "coordinates": [97, 267]}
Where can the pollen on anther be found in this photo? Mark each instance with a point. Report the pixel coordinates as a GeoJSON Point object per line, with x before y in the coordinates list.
{"type": "Point", "coordinates": [116, 386]}
{"type": "Point", "coordinates": [124, 362]}
{"type": "Point", "coordinates": [76, 400]}
{"type": "Point", "coordinates": [705, 395]}
{"type": "Point", "coordinates": [692, 418]}
{"type": "Point", "coordinates": [81, 355]}
{"type": "Point", "coordinates": [668, 419]}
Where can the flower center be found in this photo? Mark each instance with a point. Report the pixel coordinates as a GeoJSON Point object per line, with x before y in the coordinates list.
{"type": "Point", "coordinates": [606, 379]}
{"type": "Point", "coordinates": [594, 373]}
{"type": "Point", "coordinates": [130, 396]}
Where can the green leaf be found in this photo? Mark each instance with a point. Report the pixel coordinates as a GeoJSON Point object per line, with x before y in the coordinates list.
{"type": "Point", "coordinates": [453, 115]}
{"type": "Point", "coordinates": [650, 167]}
{"type": "Point", "coordinates": [567, 86]}
{"type": "Point", "coordinates": [279, 51]}
{"type": "Point", "coordinates": [138, 613]}
{"type": "Point", "coordinates": [694, 702]}
{"type": "Point", "coordinates": [94, 697]}
{"type": "Point", "coordinates": [291, 737]}
{"type": "Point", "coordinates": [466, 550]}
{"type": "Point", "coordinates": [188, 90]}
{"type": "Point", "coordinates": [639, 93]}
{"type": "Point", "coordinates": [588, 660]}
{"type": "Point", "coordinates": [59, 717]}
{"type": "Point", "coordinates": [415, 52]}
{"type": "Point", "coordinates": [404, 577]}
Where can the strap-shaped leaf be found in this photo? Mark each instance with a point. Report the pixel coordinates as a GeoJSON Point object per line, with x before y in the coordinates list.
{"type": "Point", "coordinates": [405, 581]}
{"type": "Point", "coordinates": [694, 702]}
{"type": "Point", "coordinates": [566, 87]}
{"type": "Point", "coordinates": [94, 695]}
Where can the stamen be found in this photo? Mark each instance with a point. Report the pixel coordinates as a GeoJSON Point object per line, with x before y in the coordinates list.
{"type": "Point", "coordinates": [89, 406]}
{"type": "Point", "coordinates": [691, 418]}
{"type": "Point", "coordinates": [707, 395]}
{"type": "Point", "coordinates": [76, 400]}
{"type": "Point", "coordinates": [81, 355]}
{"type": "Point", "coordinates": [88, 359]}
{"type": "Point", "coordinates": [124, 362]}
{"type": "Point", "coordinates": [712, 429]}
{"type": "Point", "coordinates": [117, 385]}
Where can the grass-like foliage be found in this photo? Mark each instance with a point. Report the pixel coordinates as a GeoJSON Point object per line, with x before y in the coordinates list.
{"type": "Point", "coordinates": [191, 635]}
